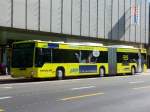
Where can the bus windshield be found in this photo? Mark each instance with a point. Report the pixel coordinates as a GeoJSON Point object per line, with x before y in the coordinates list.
{"type": "Point", "coordinates": [22, 56]}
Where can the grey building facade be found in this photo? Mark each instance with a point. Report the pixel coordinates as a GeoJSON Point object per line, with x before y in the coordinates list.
{"type": "Point", "coordinates": [111, 21]}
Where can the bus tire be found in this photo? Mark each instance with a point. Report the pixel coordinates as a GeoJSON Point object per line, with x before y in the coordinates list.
{"type": "Point", "coordinates": [133, 70]}
{"type": "Point", "coordinates": [102, 72]}
{"type": "Point", "coordinates": [60, 74]}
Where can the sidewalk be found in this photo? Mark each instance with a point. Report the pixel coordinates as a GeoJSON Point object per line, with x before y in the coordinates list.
{"type": "Point", "coordinates": [8, 78]}
{"type": "Point", "coordinates": [148, 71]}
{"type": "Point", "coordinates": [4, 77]}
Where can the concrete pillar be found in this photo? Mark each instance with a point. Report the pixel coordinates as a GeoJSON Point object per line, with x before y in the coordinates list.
{"type": "Point", "coordinates": [3, 38]}
{"type": "Point", "coordinates": [3, 43]}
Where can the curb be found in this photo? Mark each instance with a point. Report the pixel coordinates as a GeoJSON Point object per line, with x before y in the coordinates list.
{"type": "Point", "coordinates": [8, 77]}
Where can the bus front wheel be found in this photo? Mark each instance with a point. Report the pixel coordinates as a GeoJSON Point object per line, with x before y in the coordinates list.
{"type": "Point", "coordinates": [102, 72]}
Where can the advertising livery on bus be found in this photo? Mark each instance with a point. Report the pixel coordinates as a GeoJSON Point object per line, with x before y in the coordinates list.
{"type": "Point", "coordinates": [45, 59]}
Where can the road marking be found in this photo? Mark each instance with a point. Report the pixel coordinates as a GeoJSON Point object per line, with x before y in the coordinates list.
{"type": "Point", "coordinates": [6, 87]}
{"type": "Point", "coordinates": [80, 88]}
{"type": "Point", "coordinates": [144, 87]}
{"type": "Point", "coordinates": [136, 82]}
{"type": "Point", "coordinates": [7, 97]}
{"type": "Point", "coordinates": [1, 110]}
{"type": "Point", "coordinates": [81, 96]}
{"type": "Point", "coordinates": [124, 76]}
{"type": "Point", "coordinates": [26, 84]}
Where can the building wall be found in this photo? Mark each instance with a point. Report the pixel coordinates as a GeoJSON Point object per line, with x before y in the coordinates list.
{"type": "Point", "coordinates": [106, 19]}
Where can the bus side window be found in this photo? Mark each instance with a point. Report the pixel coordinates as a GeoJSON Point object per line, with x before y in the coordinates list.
{"type": "Point", "coordinates": [133, 57]}
{"type": "Point", "coordinates": [85, 56]}
{"type": "Point", "coordinates": [78, 57]}
{"type": "Point", "coordinates": [125, 60]}
{"type": "Point", "coordinates": [39, 57]}
{"type": "Point", "coordinates": [94, 59]}
{"type": "Point", "coordinates": [133, 60]}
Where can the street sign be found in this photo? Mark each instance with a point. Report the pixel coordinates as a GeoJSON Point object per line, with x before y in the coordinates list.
{"type": "Point", "coordinates": [135, 15]}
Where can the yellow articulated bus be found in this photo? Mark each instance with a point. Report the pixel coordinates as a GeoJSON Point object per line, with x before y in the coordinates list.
{"type": "Point", "coordinates": [44, 59]}
{"type": "Point", "coordinates": [126, 60]}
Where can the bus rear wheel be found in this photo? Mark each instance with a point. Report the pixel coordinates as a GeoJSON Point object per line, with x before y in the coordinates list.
{"type": "Point", "coordinates": [133, 71]}
{"type": "Point", "coordinates": [59, 74]}
{"type": "Point", "coordinates": [102, 72]}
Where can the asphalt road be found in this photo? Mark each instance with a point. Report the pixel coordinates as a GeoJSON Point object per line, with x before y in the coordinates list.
{"type": "Point", "coordinates": [108, 94]}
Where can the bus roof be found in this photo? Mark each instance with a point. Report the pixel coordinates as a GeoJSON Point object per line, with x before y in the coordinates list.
{"type": "Point", "coordinates": [62, 42]}
{"type": "Point", "coordinates": [82, 44]}
{"type": "Point", "coordinates": [86, 44]}
{"type": "Point", "coordinates": [122, 46]}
